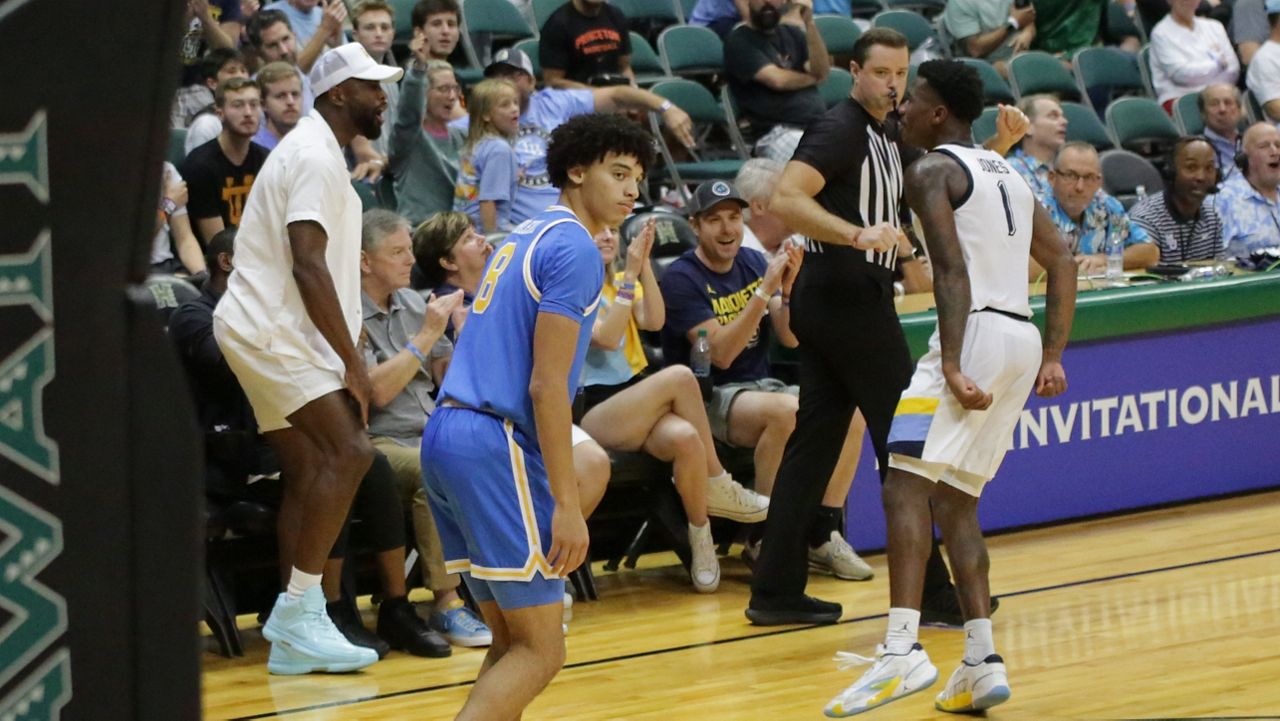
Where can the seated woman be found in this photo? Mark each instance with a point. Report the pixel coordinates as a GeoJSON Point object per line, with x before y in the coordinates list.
{"type": "Point", "coordinates": [661, 414]}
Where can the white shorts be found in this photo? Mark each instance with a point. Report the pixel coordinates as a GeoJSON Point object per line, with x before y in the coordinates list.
{"type": "Point", "coordinates": [579, 436]}
{"type": "Point", "coordinates": [276, 385]}
{"type": "Point", "coordinates": [933, 436]}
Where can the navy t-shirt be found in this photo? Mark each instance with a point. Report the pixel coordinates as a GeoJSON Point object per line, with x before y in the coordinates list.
{"type": "Point", "coordinates": [695, 294]}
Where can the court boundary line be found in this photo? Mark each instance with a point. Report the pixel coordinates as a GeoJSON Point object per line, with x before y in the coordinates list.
{"type": "Point", "coordinates": [768, 634]}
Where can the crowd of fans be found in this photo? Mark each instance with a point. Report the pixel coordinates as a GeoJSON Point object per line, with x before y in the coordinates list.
{"type": "Point", "coordinates": [455, 171]}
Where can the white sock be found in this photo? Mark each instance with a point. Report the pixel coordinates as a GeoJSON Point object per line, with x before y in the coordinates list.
{"type": "Point", "coordinates": [978, 643]}
{"type": "Point", "coordinates": [724, 476]}
{"type": "Point", "coordinates": [904, 629]}
{"type": "Point", "coordinates": [299, 582]}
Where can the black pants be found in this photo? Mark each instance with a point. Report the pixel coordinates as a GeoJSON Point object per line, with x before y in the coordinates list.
{"type": "Point", "coordinates": [853, 355]}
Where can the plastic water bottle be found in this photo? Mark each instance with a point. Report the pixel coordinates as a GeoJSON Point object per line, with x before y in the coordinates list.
{"type": "Point", "coordinates": [700, 363]}
{"type": "Point", "coordinates": [1115, 259]}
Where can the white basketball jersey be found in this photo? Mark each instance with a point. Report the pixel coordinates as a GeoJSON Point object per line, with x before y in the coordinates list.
{"type": "Point", "coordinates": [993, 223]}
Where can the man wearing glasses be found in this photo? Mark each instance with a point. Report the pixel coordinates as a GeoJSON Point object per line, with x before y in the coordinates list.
{"type": "Point", "coordinates": [1087, 217]}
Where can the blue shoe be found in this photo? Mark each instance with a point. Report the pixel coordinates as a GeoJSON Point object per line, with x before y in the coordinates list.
{"type": "Point", "coordinates": [462, 627]}
{"type": "Point", "coordinates": [304, 639]}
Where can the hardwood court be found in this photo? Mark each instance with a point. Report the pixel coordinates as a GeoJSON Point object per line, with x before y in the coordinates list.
{"type": "Point", "coordinates": [1172, 614]}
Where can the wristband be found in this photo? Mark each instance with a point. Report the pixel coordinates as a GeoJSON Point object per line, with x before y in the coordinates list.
{"type": "Point", "coordinates": [623, 301]}
{"type": "Point", "coordinates": [1013, 24]}
{"type": "Point", "coordinates": [759, 293]}
{"type": "Point", "coordinates": [422, 358]}
{"type": "Point", "coordinates": [666, 105]}
{"type": "Point", "coordinates": [167, 206]}
{"type": "Point", "coordinates": [627, 287]}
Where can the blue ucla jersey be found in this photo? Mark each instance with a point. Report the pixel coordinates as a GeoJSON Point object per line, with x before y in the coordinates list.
{"type": "Point", "coordinates": [548, 265]}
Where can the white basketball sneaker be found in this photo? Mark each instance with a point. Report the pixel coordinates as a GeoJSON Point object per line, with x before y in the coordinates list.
{"type": "Point", "coordinates": [890, 677]}
{"type": "Point", "coordinates": [975, 688]}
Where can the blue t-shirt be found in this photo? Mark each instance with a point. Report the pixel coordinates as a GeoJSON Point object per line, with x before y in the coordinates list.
{"type": "Point", "coordinates": [548, 109]}
{"type": "Point", "coordinates": [708, 11]}
{"type": "Point", "coordinates": [303, 25]}
{"type": "Point", "coordinates": [695, 294]}
{"type": "Point", "coordinates": [549, 265]}
{"type": "Point", "coordinates": [489, 171]}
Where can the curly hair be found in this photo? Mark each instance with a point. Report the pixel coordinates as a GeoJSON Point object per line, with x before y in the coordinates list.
{"type": "Point", "coordinates": [587, 139]}
{"type": "Point", "coordinates": [957, 85]}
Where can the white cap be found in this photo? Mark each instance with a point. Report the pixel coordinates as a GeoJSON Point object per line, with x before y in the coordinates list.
{"type": "Point", "coordinates": [346, 62]}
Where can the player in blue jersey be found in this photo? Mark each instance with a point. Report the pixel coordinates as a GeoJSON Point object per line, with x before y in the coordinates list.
{"type": "Point", "coordinates": [497, 462]}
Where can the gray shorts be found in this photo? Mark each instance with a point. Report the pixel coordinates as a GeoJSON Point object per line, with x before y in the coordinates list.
{"type": "Point", "coordinates": [722, 398]}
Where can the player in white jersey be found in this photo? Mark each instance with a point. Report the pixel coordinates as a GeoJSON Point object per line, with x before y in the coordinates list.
{"type": "Point", "coordinates": [954, 422]}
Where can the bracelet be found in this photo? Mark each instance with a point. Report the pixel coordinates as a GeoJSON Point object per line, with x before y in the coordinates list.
{"type": "Point", "coordinates": [413, 349]}
{"type": "Point", "coordinates": [759, 293]}
{"type": "Point", "coordinates": [786, 300]}
{"type": "Point", "coordinates": [1013, 23]}
{"type": "Point", "coordinates": [666, 105]}
{"type": "Point", "coordinates": [627, 287]}
{"type": "Point", "coordinates": [623, 301]}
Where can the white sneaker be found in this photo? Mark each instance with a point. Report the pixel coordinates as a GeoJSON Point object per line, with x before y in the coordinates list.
{"type": "Point", "coordinates": [839, 559]}
{"type": "Point", "coordinates": [304, 639]}
{"type": "Point", "coordinates": [891, 677]}
{"type": "Point", "coordinates": [704, 567]}
{"type": "Point", "coordinates": [975, 688]}
{"type": "Point", "coordinates": [568, 607]}
{"type": "Point", "coordinates": [726, 498]}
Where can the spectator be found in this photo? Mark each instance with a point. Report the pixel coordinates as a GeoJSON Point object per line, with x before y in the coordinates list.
{"type": "Point", "coordinates": [719, 15]}
{"type": "Point", "coordinates": [272, 38]}
{"type": "Point", "coordinates": [544, 111]}
{"type": "Point", "coordinates": [219, 65]}
{"type": "Point", "coordinates": [407, 356]}
{"type": "Point", "coordinates": [1264, 71]}
{"type": "Point", "coordinates": [1182, 220]}
{"type": "Point", "coordinates": [1046, 134]}
{"type": "Point", "coordinates": [774, 69]}
{"type": "Point", "coordinates": [1064, 27]}
{"type": "Point", "coordinates": [1248, 28]}
{"type": "Point", "coordinates": [305, 17]}
{"type": "Point", "coordinates": [1219, 105]}
{"type": "Point", "coordinates": [1089, 218]}
{"type": "Point", "coordinates": [738, 298]}
{"type": "Point", "coordinates": [990, 29]}
{"type": "Point", "coordinates": [175, 248]}
{"type": "Point", "coordinates": [763, 231]}
{"type": "Point", "coordinates": [1247, 202]}
{"type": "Point", "coordinates": [329, 33]}
{"type": "Point", "coordinates": [281, 89]}
{"type": "Point", "coordinates": [221, 172]}
{"type": "Point", "coordinates": [1188, 53]}
{"type": "Point", "coordinates": [194, 99]}
{"type": "Point", "coordinates": [661, 414]}
{"type": "Point", "coordinates": [211, 24]}
{"type": "Point", "coordinates": [436, 23]}
{"type": "Point", "coordinates": [582, 40]}
{"type": "Point", "coordinates": [375, 28]}
{"type": "Point", "coordinates": [423, 148]}
{"type": "Point", "coordinates": [488, 169]}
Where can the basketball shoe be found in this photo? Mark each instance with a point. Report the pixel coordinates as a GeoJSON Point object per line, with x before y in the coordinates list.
{"type": "Point", "coordinates": [975, 687]}
{"type": "Point", "coordinates": [304, 639]}
{"type": "Point", "coordinates": [890, 677]}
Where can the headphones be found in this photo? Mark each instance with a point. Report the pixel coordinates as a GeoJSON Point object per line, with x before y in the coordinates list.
{"type": "Point", "coordinates": [1242, 162]}
{"type": "Point", "coordinates": [1169, 170]}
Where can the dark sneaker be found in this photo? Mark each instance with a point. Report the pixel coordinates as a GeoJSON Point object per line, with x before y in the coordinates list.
{"type": "Point", "coordinates": [803, 610]}
{"type": "Point", "coordinates": [347, 619]}
{"type": "Point", "coordinates": [401, 627]}
{"type": "Point", "coordinates": [942, 608]}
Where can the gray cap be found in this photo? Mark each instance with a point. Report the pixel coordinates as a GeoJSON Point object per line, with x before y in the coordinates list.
{"type": "Point", "coordinates": [712, 192]}
{"type": "Point", "coordinates": [510, 56]}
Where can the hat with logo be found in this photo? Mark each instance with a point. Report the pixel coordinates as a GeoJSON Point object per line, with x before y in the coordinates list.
{"type": "Point", "coordinates": [712, 192]}
{"type": "Point", "coordinates": [346, 62]}
{"type": "Point", "coordinates": [513, 57]}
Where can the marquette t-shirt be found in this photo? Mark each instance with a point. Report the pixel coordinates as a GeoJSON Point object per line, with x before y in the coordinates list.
{"type": "Point", "coordinates": [215, 186]}
{"type": "Point", "coordinates": [695, 294]}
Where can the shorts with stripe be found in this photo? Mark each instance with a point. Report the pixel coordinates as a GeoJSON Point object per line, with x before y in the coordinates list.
{"type": "Point", "coordinates": [934, 436]}
{"type": "Point", "coordinates": [492, 505]}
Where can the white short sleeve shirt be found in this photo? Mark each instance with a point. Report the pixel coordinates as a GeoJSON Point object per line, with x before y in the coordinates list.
{"type": "Point", "coordinates": [1264, 73]}
{"type": "Point", "coordinates": [304, 179]}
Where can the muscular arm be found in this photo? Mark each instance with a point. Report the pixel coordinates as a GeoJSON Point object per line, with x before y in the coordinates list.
{"type": "Point", "coordinates": [1050, 251]}
{"type": "Point", "coordinates": [793, 202]}
{"type": "Point", "coordinates": [932, 182]}
{"type": "Point", "coordinates": [308, 242]}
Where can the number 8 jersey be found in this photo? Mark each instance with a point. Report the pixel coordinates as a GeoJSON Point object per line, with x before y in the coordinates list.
{"type": "Point", "coordinates": [549, 264]}
{"type": "Point", "coordinates": [993, 224]}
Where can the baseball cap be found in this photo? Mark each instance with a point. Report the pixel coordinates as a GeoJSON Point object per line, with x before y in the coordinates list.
{"type": "Point", "coordinates": [513, 57]}
{"type": "Point", "coordinates": [346, 62]}
{"type": "Point", "coordinates": [712, 192]}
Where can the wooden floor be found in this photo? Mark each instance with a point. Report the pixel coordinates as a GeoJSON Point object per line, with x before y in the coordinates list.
{"type": "Point", "coordinates": [1166, 614]}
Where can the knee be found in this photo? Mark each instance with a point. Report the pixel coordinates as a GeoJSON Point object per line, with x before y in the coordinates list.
{"type": "Point", "coordinates": [685, 441]}
{"type": "Point", "coordinates": [898, 495]}
{"type": "Point", "coordinates": [354, 456]}
{"type": "Point", "coordinates": [680, 378]}
{"type": "Point", "coordinates": [782, 415]}
{"type": "Point", "coordinates": [592, 464]}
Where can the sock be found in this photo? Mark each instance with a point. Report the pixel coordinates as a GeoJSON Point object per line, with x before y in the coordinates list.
{"type": "Point", "coordinates": [826, 520]}
{"type": "Point", "coordinates": [904, 629]}
{"type": "Point", "coordinates": [724, 476]}
{"type": "Point", "coordinates": [978, 643]}
{"type": "Point", "coordinates": [299, 582]}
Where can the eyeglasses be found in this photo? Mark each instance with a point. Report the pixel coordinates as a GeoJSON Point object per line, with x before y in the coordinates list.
{"type": "Point", "coordinates": [1071, 177]}
{"type": "Point", "coordinates": [447, 89]}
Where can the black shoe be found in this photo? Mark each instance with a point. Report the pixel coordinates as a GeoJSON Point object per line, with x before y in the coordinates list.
{"type": "Point", "coordinates": [405, 630]}
{"type": "Point", "coordinates": [942, 608]}
{"type": "Point", "coordinates": [806, 610]}
{"type": "Point", "coordinates": [345, 616]}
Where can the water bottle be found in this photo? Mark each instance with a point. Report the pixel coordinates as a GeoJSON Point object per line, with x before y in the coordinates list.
{"type": "Point", "coordinates": [700, 363]}
{"type": "Point", "coordinates": [1115, 259]}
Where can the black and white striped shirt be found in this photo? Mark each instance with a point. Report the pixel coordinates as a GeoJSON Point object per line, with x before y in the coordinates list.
{"type": "Point", "coordinates": [1179, 239]}
{"type": "Point", "coordinates": [861, 161]}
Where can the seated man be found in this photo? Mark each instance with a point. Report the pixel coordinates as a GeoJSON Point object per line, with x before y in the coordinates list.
{"type": "Point", "coordinates": [196, 100]}
{"type": "Point", "coordinates": [774, 68]}
{"type": "Point", "coordinates": [990, 29]}
{"type": "Point", "coordinates": [1264, 72]}
{"type": "Point", "coordinates": [584, 39]}
{"type": "Point", "coordinates": [1033, 157]}
{"type": "Point", "coordinates": [727, 292]}
{"type": "Point", "coordinates": [221, 172]}
{"type": "Point", "coordinates": [1088, 218]}
{"type": "Point", "coordinates": [719, 15]}
{"type": "Point", "coordinates": [1182, 220]}
{"type": "Point", "coordinates": [1247, 202]}
{"type": "Point", "coordinates": [407, 355]}
{"type": "Point", "coordinates": [281, 88]}
{"type": "Point", "coordinates": [1189, 52]}
{"type": "Point", "coordinates": [1219, 105]}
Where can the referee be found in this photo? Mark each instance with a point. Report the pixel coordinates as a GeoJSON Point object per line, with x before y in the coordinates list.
{"type": "Point", "coordinates": [843, 191]}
